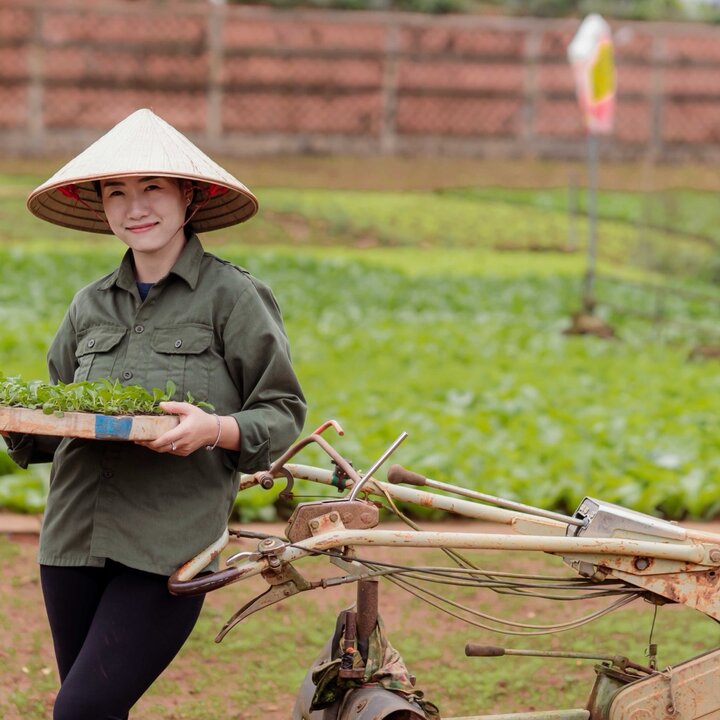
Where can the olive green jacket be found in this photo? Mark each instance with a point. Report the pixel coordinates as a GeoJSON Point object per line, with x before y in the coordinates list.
{"type": "Point", "coordinates": [216, 332]}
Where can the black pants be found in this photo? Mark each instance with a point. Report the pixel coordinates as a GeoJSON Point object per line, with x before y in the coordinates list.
{"type": "Point", "coordinates": [115, 630]}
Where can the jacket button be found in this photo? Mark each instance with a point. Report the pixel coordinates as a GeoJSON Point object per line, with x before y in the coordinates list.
{"type": "Point", "coordinates": [107, 474]}
{"type": "Point", "coordinates": [126, 375]}
{"type": "Point", "coordinates": [91, 343]}
{"type": "Point", "coordinates": [139, 328]}
{"type": "Point", "coordinates": [178, 343]}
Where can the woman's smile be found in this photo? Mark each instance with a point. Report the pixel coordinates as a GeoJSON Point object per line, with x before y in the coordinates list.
{"type": "Point", "coordinates": [141, 228]}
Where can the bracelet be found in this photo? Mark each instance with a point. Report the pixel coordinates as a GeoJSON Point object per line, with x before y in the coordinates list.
{"type": "Point", "coordinates": [217, 439]}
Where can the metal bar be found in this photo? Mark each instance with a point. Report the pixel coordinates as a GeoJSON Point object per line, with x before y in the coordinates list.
{"type": "Point", "coordinates": [588, 299]}
{"type": "Point", "coordinates": [474, 650]}
{"type": "Point", "coordinates": [693, 553]}
{"type": "Point", "coordinates": [36, 82]}
{"type": "Point", "coordinates": [507, 504]}
{"type": "Point", "coordinates": [473, 510]}
{"type": "Point", "coordinates": [388, 118]}
{"type": "Point", "coordinates": [356, 488]}
{"type": "Point", "coordinates": [215, 46]}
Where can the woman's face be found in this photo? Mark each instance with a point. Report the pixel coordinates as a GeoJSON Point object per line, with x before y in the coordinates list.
{"type": "Point", "coordinates": [147, 213]}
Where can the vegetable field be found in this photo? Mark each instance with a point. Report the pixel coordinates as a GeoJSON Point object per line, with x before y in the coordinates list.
{"type": "Point", "coordinates": [434, 313]}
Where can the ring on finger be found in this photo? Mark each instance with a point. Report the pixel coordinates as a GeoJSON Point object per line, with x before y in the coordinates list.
{"type": "Point", "coordinates": [172, 446]}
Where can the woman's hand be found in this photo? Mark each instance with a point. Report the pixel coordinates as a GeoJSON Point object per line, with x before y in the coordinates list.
{"type": "Point", "coordinates": [197, 429]}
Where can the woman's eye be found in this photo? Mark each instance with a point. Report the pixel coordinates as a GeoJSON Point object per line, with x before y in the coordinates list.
{"type": "Point", "coordinates": [152, 187]}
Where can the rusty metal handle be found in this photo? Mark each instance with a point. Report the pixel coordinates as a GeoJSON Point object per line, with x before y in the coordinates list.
{"type": "Point", "coordinates": [473, 650]}
{"type": "Point", "coordinates": [185, 580]}
{"type": "Point", "coordinates": [204, 583]}
{"type": "Point", "coordinates": [619, 661]}
{"type": "Point", "coordinates": [277, 469]}
{"type": "Point", "coordinates": [397, 474]}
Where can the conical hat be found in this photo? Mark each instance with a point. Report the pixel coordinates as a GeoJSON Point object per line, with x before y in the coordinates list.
{"type": "Point", "coordinates": [141, 144]}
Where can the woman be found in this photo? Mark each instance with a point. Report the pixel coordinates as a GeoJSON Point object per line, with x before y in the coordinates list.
{"type": "Point", "coordinates": [121, 517]}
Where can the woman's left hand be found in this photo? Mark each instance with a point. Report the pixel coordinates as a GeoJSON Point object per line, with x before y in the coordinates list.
{"type": "Point", "coordinates": [197, 429]}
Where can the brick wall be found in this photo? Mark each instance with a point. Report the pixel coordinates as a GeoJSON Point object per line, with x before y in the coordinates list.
{"type": "Point", "coordinates": [247, 80]}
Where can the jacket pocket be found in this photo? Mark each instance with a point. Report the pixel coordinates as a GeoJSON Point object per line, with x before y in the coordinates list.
{"type": "Point", "coordinates": [181, 354]}
{"type": "Point", "coordinates": [96, 352]}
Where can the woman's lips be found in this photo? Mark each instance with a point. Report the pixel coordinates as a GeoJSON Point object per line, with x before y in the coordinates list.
{"type": "Point", "coordinates": [140, 228]}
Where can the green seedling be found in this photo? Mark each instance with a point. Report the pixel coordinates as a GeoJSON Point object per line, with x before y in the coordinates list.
{"type": "Point", "coordinates": [106, 397]}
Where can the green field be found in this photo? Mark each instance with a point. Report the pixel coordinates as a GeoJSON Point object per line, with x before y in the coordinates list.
{"type": "Point", "coordinates": [434, 312]}
{"type": "Point", "coordinates": [424, 298]}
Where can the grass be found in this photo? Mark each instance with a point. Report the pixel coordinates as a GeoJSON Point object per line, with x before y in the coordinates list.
{"type": "Point", "coordinates": [656, 228]}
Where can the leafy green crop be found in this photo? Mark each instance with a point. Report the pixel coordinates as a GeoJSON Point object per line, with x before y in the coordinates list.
{"type": "Point", "coordinates": [402, 314]}
{"type": "Point", "coordinates": [104, 396]}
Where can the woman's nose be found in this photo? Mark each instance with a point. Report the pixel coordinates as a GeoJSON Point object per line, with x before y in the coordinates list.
{"type": "Point", "coordinates": [138, 206]}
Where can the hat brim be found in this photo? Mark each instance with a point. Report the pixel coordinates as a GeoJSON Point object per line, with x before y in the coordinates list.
{"type": "Point", "coordinates": [78, 206]}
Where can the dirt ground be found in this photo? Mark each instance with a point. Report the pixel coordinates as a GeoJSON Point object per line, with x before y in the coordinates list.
{"type": "Point", "coordinates": [255, 672]}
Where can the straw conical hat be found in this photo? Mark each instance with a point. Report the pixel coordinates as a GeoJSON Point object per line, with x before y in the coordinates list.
{"type": "Point", "coordinates": [141, 144]}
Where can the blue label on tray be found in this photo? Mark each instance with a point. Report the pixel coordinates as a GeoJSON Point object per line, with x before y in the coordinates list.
{"type": "Point", "coordinates": [112, 428]}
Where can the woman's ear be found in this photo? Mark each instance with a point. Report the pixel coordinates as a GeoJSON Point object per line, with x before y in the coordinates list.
{"type": "Point", "coordinates": [188, 191]}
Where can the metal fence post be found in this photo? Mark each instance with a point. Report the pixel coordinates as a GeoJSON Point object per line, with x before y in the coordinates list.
{"type": "Point", "coordinates": [533, 44]}
{"type": "Point", "coordinates": [388, 120]}
{"type": "Point", "coordinates": [656, 97]}
{"type": "Point", "coordinates": [215, 23]}
{"type": "Point", "coordinates": [36, 87]}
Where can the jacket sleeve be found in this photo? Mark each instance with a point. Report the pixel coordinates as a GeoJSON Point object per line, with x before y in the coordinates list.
{"type": "Point", "coordinates": [61, 359]}
{"type": "Point", "coordinates": [24, 448]}
{"type": "Point", "coordinates": [258, 358]}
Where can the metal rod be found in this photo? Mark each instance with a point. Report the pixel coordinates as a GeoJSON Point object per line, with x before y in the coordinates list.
{"type": "Point", "coordinates": [502, 502]}
{"type": "Point", "coordinates": [589, 280]}
{"type": "Point", "coordinates": [473, 650]}
{"type": "Point", "coordinates": [466, 508]}
{"type": "Point", "coordinates": [356, 488]}
{"type": "Point", "coordinates": [687, 552]}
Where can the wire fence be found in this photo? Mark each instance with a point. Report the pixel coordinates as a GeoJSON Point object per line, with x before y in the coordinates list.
{"type": "Point", "coordinates": [250, 79]}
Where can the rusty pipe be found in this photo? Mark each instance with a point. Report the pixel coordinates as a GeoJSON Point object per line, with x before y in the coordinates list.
{"type": "Point", "coordinates": [367, 613]}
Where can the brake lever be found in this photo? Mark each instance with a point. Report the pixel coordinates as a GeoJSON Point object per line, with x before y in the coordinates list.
{"type": "Point", "coordinates": [284, 583]}
{"type": "Point", "coordinates": [244, 555]}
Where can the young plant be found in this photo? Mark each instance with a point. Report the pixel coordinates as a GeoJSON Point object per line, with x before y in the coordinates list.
{"type": "Point", "coordinates": [106, 397]}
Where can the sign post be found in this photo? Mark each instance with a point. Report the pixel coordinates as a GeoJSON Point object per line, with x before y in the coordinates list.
{"type": "Point", "coordinates": [591, 56]}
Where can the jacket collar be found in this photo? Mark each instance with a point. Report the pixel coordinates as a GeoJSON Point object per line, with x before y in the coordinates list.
{"type": "Point", "coordinates": [186, 267]}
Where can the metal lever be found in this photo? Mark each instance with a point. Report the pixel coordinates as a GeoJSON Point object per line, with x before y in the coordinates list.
{"type": "Point", "coordinates": [356, 488]}
{"type": "Point", "coordinates": [284, 584]}
{"type": "Point", "coordinates": [620, 661]}
{"type": "Point", "coordinates": [398, 474]}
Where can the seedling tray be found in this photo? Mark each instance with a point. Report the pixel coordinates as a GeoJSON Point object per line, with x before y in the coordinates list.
{"type": "Point", "coordinates": [86, 425]}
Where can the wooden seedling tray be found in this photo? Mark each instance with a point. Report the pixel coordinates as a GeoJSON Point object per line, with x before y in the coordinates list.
{"type": "Point", "coordinates": [86, 425]}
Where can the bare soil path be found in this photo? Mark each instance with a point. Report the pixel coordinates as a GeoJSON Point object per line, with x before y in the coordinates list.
{"type": "Point", "coordinates": [255, 672]}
